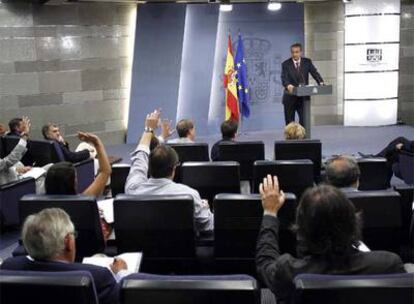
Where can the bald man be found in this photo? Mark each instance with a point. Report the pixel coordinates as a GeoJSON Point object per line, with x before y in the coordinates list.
{"type": "Point", "coordinates": [343, 172]}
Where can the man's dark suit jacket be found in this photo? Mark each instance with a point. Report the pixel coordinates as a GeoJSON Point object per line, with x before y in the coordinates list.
{"type": "Point", "coordinates": [73, 157]}
{"type": "Point", "coordinates": [290, 75]}
{"type": "Point", "coordinates": [278, 270]}
{"type": "Point", "coordinates": [106, 286]}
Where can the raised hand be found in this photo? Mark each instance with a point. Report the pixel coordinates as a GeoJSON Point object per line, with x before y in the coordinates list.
{"type": "Point", "coordinates": [89, 137]}
{"type": "Point", "coordinates": [166, 130]}
{"type": "Point", "coordinates": [272, 197]}
{"type": "Point", "coordinates": [26, 125]}
{"type": "Point", "coordinates": [153, 119]}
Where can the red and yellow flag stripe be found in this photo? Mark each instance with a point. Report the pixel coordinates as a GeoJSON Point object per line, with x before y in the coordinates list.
{"type": "Point", "coordinates": [230, 84]}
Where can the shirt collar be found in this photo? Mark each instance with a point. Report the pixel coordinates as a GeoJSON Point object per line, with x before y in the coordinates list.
{"type": "Point", "coordinates": [298, 61]}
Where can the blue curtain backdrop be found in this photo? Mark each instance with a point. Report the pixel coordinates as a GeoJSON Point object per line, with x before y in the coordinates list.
{"type": "Point", "coordinates": [179, 62]}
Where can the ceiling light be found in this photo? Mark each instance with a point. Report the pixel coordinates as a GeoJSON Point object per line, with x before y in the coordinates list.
{"type": "Point", "coordinates": [226, 7]}
{"type": "Point", "coordinates": [274, 6]}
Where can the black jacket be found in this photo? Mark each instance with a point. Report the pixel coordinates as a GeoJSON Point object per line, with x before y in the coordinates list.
{"type": "Point", "coordinates": [107, 288]}
{"type": "Point", "coordinates": [215, 150]}
{"type": "Point", "coordinates": [73, 157]}
{"type": "Point", "coordinates": [277, 270]}
{"type": "Point", "coordinates": [290, 75]}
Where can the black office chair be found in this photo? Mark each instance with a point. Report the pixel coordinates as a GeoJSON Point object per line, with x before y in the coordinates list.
{"type": "Point", "coordinates": [189, 152]}
{"type": "Point", "coordinates": [245, 153]}
{"type": "Point", "coordinates": [10, 194]}
{"type": "Point", "coordinates": [355, 289]}
{"type": "Point", "coordinates": [162, 226]}
{"type": "Point", "coordinates": [374, 174]}
{"type": "Point", "coordinates": [40, 152]}
{"type": "Point", "coordinates": [237, 221]}
{"type": "Point", "coordinates": [66, 287]}
{"type": "Point", "coordinates": [156, 289]}
{"type": "Point", "coordinates": [294, 176]}
{"type": "Point", "coordinates": [381, 216]}
{"type": "Point", "coordinates": [301, 149]}
{"type": "Point", "coordinates": [407, 198]}
{"type": "Point", "coordinates": [212, 178]}
{"type": "Point", "coordinates": [83, 212]}
{"type": "Point", "coordinates": [118, 178]}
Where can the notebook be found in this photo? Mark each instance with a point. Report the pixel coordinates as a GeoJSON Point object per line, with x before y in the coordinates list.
{"type": "Point", "coordinates": [132, 259]}
{"type": "Point", "coordinates": [107, 207]}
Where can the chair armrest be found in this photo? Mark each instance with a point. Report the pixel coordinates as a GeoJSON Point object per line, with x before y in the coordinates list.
{"type": "Point", "coordinates": [16, 183]}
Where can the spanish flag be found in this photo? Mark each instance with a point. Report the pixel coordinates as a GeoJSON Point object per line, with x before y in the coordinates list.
{"type": "Point", "coordinates": [230, 84]}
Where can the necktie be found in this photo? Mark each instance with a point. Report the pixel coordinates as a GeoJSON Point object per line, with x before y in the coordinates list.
{"type": "Point", "coordinates": [297, 65]}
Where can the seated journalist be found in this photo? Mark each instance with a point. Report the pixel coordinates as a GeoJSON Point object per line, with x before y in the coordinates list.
{"type": "Point", "coordinates": [49, 238]}
{"type": "Point", "coordinates": [163, 161]}
{"type": "Point", "coordinates": [328, 235]}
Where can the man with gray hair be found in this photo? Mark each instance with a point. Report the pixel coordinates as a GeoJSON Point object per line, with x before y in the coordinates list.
{"type": "Point", "coordinates": [49, 238]}
{"type": "Point", "coordinates": [343, 172]}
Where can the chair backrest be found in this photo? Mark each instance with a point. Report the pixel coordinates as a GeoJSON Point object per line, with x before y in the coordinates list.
{"type": "Point", "coordinates": [2, 147]}
{"type": "Point", "coordinates": [406, 167]}
{"type": "Point", "coordinates": [237, 221]}
{"type": "Point", "coordinates": [40, 152]}
{"type": "Point", "coordinates": [211, 178]}
{"type": "Point", "coordinates": [245, 153]}
{"type": "Point", "coordinates": [156, 289]}
{"type": "Point", "coordinates": [407, 198]}
{"type": "Point", "coordinates": [374, 174]}
{"type": "Point", "coordinates": [83, 212]}
{"type": "Point", "coordinates": [301, 149]}
{"type": "Point", "coordinates": [10, 194]}
{"type": "Point", "coordinates": [47, 287]}
{"type": "Point", "coordinates": [189, 152]}
{"type": "Point", "coordinates": [118, 178]}
{"type": "Point", "coordinates": [355, 289]}
{"type": "Point", "coordinates": [158, 225]}
{"type": "Point", "coordinates": [294, 175]}
{"type": "Point", "coordinates": [381, 216]}
{"type": "Point", "coordinates": [85, 173]}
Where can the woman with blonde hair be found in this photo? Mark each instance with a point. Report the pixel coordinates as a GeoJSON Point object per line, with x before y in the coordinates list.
{"type": "Point", "coordinates": [294, 130]}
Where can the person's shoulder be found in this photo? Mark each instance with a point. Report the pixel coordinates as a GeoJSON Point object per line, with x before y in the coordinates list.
{"type": "Point", "coordinates": [383, 261]}
{"type": "Point", "coordinates": [96, 271]}
{"type": "Point", "coordinates": [184, 189]}
{"type": "Point", "coordinates": [306, 59]}
{"type": "Point", "coordinates": [14, 262]}
{"type": "Point", "coordinates": [287, 61]}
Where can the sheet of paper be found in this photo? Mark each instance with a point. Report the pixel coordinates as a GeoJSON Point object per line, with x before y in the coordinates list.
{"type": "Point", "coordinates": [362, 247]}
{"type": "Point", "coordinates": [132, 259]}
{"type": "Point", "coordinates": [35, 173]}
{"type": "Point", "coordinates": [107, 207]}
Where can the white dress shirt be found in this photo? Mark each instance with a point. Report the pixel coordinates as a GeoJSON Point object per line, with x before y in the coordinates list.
{"type": "Point", "coordinates": [138, 183]}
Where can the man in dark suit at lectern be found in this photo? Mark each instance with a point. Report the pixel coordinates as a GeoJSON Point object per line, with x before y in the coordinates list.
{"type": "Point", "coordinates": [295, 72]}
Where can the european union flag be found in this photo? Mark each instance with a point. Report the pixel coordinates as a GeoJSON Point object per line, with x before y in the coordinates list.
{"type": "Point", "coordinates": [242, 81]}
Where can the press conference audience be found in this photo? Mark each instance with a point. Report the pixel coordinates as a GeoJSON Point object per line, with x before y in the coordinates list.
{"type": "Point", "coordinates": [343, 172]}
{"type": "Point", "coordinates": [294, 130]}
{"type": "Point", "coordinates": [51, 131]}
{"type": "Point", "coordinates": [228, 134]}
{"type": "Point", "coordinates": [61, 177]}
{"type": "Point", "coordinates": [392, 154]}
{"type": "Point", "coordinates": [16, 127]}
{"type": "Point", "coordinates": [186, 132]}
{"type": "Point", "coordinates": [10, 165]}
{"type": "Point", "coordinates": [49, 238]}
{"type": "Point", "coordinates": [328, 235]}
{"type": "Point", "coordinates": [3, 129]}
{"type": "Point", "coordinates": [161, 164]}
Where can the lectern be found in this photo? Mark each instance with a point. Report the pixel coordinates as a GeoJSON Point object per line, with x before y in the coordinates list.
{"type": "Point", "coordinates": [310, 90]}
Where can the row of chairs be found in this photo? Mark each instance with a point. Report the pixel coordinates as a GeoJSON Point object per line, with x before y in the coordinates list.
{"type": "Point", "coordinates": [40, 153]}
{"type": "Point", "coordinates": [163, 226]}
{"type": "Point", "coordinates": [211, 178]}
{"type": "Point", "coordinates": [78, 287]}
